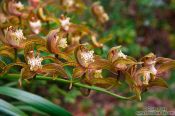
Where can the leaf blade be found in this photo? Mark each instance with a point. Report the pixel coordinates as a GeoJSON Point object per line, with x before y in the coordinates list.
{"type": "Point", "coordinates": [10, 109]}
{"type": "Point", "coordinates": [34, 100]}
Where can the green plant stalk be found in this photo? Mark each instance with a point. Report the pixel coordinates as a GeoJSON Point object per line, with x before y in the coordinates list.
{"type": "Point", "coordinates": [77, 84]}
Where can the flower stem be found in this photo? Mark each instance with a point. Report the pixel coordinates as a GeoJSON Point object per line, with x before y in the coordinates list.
{"type": "Point", "coordinates": [77, 84]}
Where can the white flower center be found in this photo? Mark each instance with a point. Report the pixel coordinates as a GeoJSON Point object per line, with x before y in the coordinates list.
{"type": "Point", "coordinates": [19, 34]}
{"type": "Point", "coordinates": [62, 43]}
{"type": "Point", "coordinates": [68, 3]}
{"type": "Point", "coordinates": [14, 36]}
{"type": "Point", "coordinates": [65, 23]}
{"type": "Point", "coordinates": [87, 56]}
{"type": "Point", "coordinates": [35, 63]}
{"type": "Point", "coordinates": [35, 25]}
{"type": "Point", "coordinates": [153, 70]}
{"type": "Point", "coordinates": [19, 5]}
{"type": "Point", "coordinates": [98, 74]}
{"type": "Point", "coordinates": [121, 55]}
{"type": "Point", "coordinates": [98, 71]}
{"type": "Point", "coordinates": [147, 74]}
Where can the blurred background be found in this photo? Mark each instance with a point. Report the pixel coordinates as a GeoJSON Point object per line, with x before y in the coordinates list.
{"type": "Point", "coordinates": [140, 26]}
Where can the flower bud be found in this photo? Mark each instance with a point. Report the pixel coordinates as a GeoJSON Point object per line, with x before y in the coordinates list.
{"type": "Point", "coordinates": [99, 12]}
{"type": "Point", "coordinates": [65, 22]}
{"type": "Point", "coordinates": [35, 25]}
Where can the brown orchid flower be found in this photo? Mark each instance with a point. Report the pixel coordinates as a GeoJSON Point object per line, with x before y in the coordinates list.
{"type": "Point", "coordinates": [56, 41]}
{"type": "Point", "coordinates": [72, 5]}
{"type": "Point", "coordinates": [90, 75]}
{"type": "Point", "coordinates": [57, 38]}
{"type": "Point", "coordinates": [77, 31]}
{"type": "Point", "coordinates": [34, 3]}
{"type": "Point", "coordinates": [65, 22]}
{"type": "Point", "coordinates": [34, 66]}
{"type": "Point", "coordinates": [14, 40]}
{"type": "Point", "coordinates": [35, 25]}
{"type": "Point", "coordinates": [34, 62]}
{"type": "Point", "coordinates": [14, 8]}
{"type": "Point", "coordinates": [29, 69]}
{"type": "Point", "coordinates": [84, 58]}
{"type": "Point", "coordinates": [116, 61]}
{"type": "Point", "coordinates": [120, 61]}
{"type": "Point", "coordinates": [14, 37]}
{"type": "Point", "coordinates": [99, 13]}
{"type": "Point", "coordinates": [156, 66]}
{"type": "Point", "coordinates": [140, 79]}
{"type": "Point", "coordinates": [67, 37]}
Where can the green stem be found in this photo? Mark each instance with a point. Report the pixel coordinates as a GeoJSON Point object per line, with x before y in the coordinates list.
{"type": "Point", "coordinates": [77, 84]}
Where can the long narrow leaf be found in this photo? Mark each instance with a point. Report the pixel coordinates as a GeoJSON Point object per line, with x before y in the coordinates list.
{"type": "Point", "coordinates": [31, 109]}
{"type": "Point", "coordinates": [35, 101]}
{"type": "Point", "coordinates": [9, 109]}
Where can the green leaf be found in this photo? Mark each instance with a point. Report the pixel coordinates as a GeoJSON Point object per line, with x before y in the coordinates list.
{"type": "Point", "coordinates": [31, 109]}
{"type": "Point", "coordinates": [35, 101]}
{"type": "Point", "coordinates": [9, 109]}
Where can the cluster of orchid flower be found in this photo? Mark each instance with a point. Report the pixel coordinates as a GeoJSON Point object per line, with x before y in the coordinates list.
{"type": "Point", "coordinates": [65, 49]}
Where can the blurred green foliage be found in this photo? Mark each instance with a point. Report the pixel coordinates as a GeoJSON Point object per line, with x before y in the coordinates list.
{"type": "Point", "coordinates": [128, 18]}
